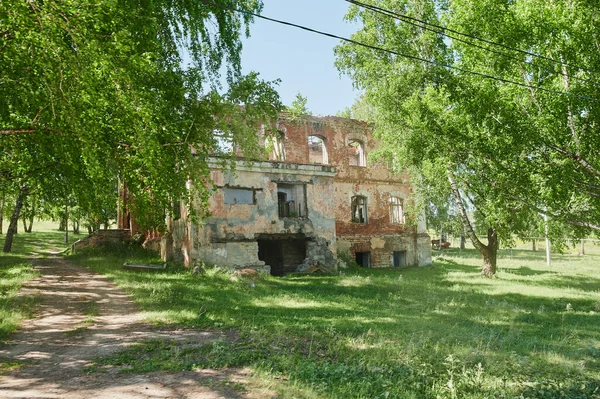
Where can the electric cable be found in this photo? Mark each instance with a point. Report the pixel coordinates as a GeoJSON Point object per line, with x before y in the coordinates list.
{"type": "Point", "coordinates": [440, 30]}
{"type": "Point", "coordinates": [399, 15]}
{"type": "Point", "coordinates": [447, 66]}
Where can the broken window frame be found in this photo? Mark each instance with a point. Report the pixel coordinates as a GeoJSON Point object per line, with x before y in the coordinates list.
{"type": "Point", "coordinates": [316, 141]}
{"type": "Point", "coordinates": [296, 205]}
{"type": "Point", "coordinates": [396, 210]}
{"type": "Point", "coordinates": [359, 158]}
{"type": "Point", "coordinates": [250, 191]}
{"type": "Point", "coordinates": [359, 209]}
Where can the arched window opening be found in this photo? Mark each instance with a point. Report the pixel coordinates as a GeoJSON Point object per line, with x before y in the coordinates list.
{"type": "Point", "coordinates": [357, 153]}
{"type": "Point", "coordinates": [359, 209]}
{"type": "Point", "coordinates": [396, 210]}
{"type": "Point", "coordinates": [224, 143]}
{"type": "Point", "coordinates": [317, 151]}
{"type": "Point", "coordinates": [276, 145]}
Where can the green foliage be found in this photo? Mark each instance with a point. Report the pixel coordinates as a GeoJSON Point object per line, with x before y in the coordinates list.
{"type": "Point", "coordinates": [512, 152]}
{"type": "Point", "coordinates": [298, 108]}
{"type": "Point", "coordinates": [14, 270]}
{"type": "Point", "coordinates": [361, 110]}
{"type": "Point", "coordinates": [94, 90]}
{"type": "Point", "coordinates": [424, 332]}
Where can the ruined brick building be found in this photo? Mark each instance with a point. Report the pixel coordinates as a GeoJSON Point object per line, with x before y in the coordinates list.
{"type": "Point", "coordinates": [315, 197]}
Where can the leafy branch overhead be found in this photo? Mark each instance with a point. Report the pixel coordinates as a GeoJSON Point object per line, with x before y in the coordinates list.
{"type": "Point", "coordinates": [102, 88]}
{"type": "Point", "coordinates": [298, 108]}
{"type": "Point", "coordinates": [501, 116]}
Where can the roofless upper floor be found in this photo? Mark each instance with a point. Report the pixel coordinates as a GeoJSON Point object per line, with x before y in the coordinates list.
{"type": "Point", "coordinates": [329, 140]}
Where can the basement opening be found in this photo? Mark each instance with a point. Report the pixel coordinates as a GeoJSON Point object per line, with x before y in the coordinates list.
{"type": "Point", "coordinates": [283, 255]}
{"type": "Point", "coordinates": [399, 258]}
{"type": "Point", "coordinates": [363, 259]}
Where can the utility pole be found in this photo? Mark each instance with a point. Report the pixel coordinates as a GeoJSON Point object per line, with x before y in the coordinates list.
{"type": "Point", "coordinates": [547, 240]}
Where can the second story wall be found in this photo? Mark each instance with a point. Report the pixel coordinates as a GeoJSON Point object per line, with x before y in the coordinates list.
{"type": "Point", "coordinates": [340, 142]}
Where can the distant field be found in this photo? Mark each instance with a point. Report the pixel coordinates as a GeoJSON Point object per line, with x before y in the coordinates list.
{"type": "Point", "coordinates": [590, 245]}
{"type": "Point", "coordinates": [435, 332]}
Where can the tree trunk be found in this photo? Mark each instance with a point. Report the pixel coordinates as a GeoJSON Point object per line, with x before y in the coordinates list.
{"type": "Point", "coordinates": [462, 240]}
{"type": "Point", "coordinates": [490, 251]}
{"type": "Point", "coordinates": [533, 244]}
{"type": "Point", "coordinates": [66, 221]}
{"type": "Point", "coordinates": [61, 225]}
{"type": "Point", "coordinates": [24, 219]}
{"type": "Point", "coordinates": [14, 220]}
{"type": "Point", "coordinates": [76, 227]}
{"type": "Point", "coordinates": [490, 254]}
{"type": "Point", "coordinates": [30, 227]}
{"type": "Point", "coordinates": [1, 212]}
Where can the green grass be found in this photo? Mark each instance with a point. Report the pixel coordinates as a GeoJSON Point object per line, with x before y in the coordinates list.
{"type": "Point", "coordinates": [15, 269]}
{"type": "Point", "coordinates": [441, 331]}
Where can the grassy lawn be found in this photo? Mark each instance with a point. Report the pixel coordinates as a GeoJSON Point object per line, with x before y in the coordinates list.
{"type": "Point", "coordinates": [441, 331]}
{"type": "Point", "coordinates": [15, 269]}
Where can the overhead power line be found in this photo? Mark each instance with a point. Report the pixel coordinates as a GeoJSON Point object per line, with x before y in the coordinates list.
{"type": "Point", "coordinates": [405, 17]}
{"type": "Point", "coordinates": [412, 57]}
{"type": "Point", "coordinates": [440, 30]}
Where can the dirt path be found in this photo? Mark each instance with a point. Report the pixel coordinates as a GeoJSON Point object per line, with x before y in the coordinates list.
{"type": "Point", "coordinates": [82, 315]}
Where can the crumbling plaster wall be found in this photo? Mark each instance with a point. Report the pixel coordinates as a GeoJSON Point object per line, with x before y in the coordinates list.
{"type": "Point", "coordinates": [229, 236]}
{"type": "Point", "coordinates": [375, 182]}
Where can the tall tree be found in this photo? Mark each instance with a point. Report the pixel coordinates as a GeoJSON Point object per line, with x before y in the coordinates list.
{"type": "Point", "coordinates": [506, 150]}
{"type": "Point", "coordinates": [108, 82]}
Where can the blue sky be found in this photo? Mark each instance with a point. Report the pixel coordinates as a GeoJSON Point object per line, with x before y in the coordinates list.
{"type": "Point", "coordinates": [304, 61]}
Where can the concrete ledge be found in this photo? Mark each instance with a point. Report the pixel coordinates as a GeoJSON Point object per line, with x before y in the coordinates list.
{"type": "Point", "coordinates": [143, 266]}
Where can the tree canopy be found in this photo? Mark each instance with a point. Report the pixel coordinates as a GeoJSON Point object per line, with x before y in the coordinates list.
{"type": "Point", "coordinates": [92, 90]}
{"type": "Point", "coordinates": [494, 102]}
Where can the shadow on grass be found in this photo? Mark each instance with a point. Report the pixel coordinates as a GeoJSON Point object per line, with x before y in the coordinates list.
{"type": "Point", "coordinates": [410, 321]}
{"type": "Point", "coordinates": [527, 271]}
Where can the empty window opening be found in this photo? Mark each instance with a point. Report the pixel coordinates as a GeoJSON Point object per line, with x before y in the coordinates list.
{"type": "Point", "coordinates": [291, 200]}
{"type": "Point", "coordinates": [283, 256]}
{"type": "Point", "coordinates": [176, 210]}
{"type": "Point", "coordinates": [359, 209]}
{"type": "Point", "coordinates": [396, 210]}
{"type": "Point", "coordinates": [238, 196]}
{"type": "Point", "coordinates": [357, 153]}
{"type": "Point", "coordinates": [317, 151]}
{"type": "Point", "coordinates": [363, 259]}
{"type": "Point", "coordinates": [224, 143]}
{"type": "Point", "coordinates": [276, 145]}
{"type": "Point", "coordinates": [399, 258]}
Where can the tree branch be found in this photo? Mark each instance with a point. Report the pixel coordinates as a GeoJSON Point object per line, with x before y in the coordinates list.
{"type": "Point", "coordinates": [584, 224]}
{"type": "Point", "coordinates": [579, 159]}
{"type": "Point", "coordinates": [17, 131]}
{"type": "Point", "coordinates": [26, 131]}
{"type": "Point", "coordinates": [463, 213]}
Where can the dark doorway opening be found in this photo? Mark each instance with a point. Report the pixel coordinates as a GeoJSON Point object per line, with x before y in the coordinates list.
{"type": "Point", "coordinates": [281, 203]}
{"type": "Point", "coordinates": [399, 258]}
{"type": "Point", "coordinates": [283, 255]}
{"type": "Point", "coordinates": [363, 259]}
